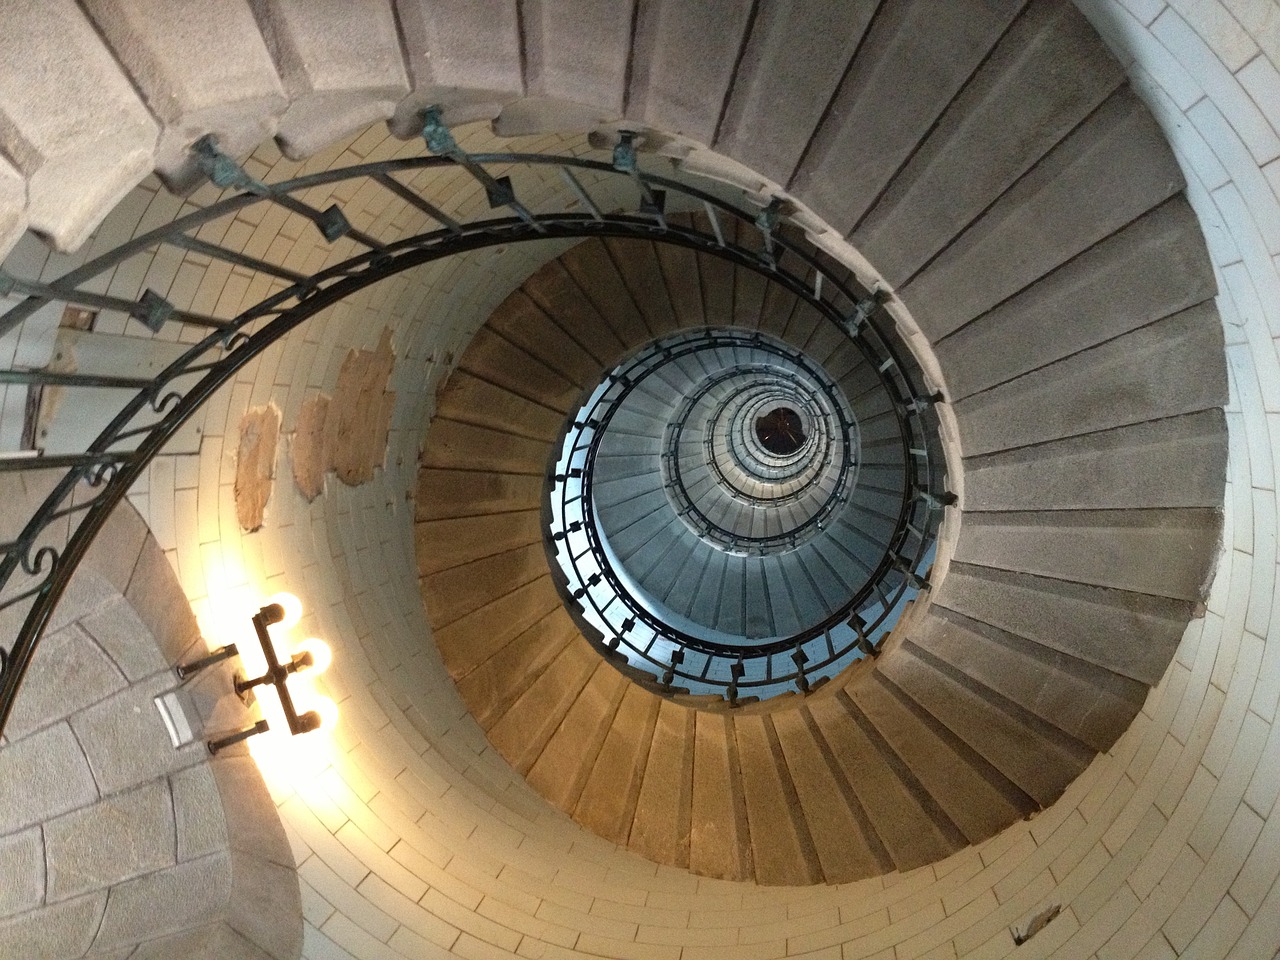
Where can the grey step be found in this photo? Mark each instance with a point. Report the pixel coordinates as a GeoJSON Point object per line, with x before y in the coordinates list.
{"type": "Point", "coordinates": [340, 74]}
{"type": "Point", "coordinates": [1037, 757]}
{"type": "Point", "coordinates": [1165, 552]}
{"type": "Point", "coordinates": [1089, 703]}
{"type": "Point", "coordinates": [794, 57]}
{"type": "Point", "coordinates": [1013, 110]}
{"type": "Point", "coordinates": [1171, 367]}
{"type": "Point", "coordinates": [166, 52]}
{"type": "Point", "coordinates": [464, 53]}
{"type": "Point", "coordinates": [1109, 171]}
{"type": "Point", "coordinates": [1151, 268]}
{"type": "Point", "coordinates": [1132, 634]}
{"type": "Point", "coordinates": [976, 798]}
{"type": "Point", "coordinates": [917, 54]}
{"type": "Point", "coordinates": [637, 262]}
{"type": "Point", "coordinates": [1108, 470]}
{"type": "Point", "coordinates": [908, 823]}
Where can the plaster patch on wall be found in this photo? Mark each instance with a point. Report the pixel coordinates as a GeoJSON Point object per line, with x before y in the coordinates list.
{"type": "Point", "coordinates": [347, 432]}
{"type": "Point", "coordinates": [255, 464]}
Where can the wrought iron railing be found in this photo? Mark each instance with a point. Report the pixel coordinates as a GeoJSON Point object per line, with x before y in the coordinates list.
{"type": "Point", "coordinates": [37, 564]}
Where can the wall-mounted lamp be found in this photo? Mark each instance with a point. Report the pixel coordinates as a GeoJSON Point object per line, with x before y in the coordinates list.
{"type": "Point", "coordinates": [286, 611]}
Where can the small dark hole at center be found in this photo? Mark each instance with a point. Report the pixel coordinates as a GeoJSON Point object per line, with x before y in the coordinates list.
{"type": "Point", "coordinates": [780, 431]}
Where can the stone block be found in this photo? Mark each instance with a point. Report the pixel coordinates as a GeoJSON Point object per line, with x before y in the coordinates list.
{"type": "Point", "coordinates": [114, 551]}
{"type": "Point", "coordinates": [470, 399]}
{"type": "Point", "coordinates": [266, 904]}
{"type": "Point", "coordinates": [1169, 368]}
{"type": "Point", "coordinates": [683, 58]}
{"type": "Point", "coordinates": [460, 590]}
{"type": "Point", "coordinates": [119, 630]}
{"type": "Point", "coordinates": [157, 598]}
{"type": "Point", "coordinates": [115, 839]}
{"type": "Point", "coordinates": [126, 740]}
{"type": "Point", "coordinates": [793, 60]}
{"type": "Point", "coordinates": [1168, 553]}
{"type": "Point", "coordinates": [1131, 634]}
{"type": "Point", "coordinates": [461, 446]}
{"type": "Point", "coordinates": [22, 866]}
{"type": "Point", "coordinates": [561, 770]}
{"type": "Point", "coordinates": [442, 544]}
{"type": "Point", "coordinates": [63, 931]}
{"type": "Point", "coordinates": [575, 66]}
{"type": "Point", "coordinates": [1048, 72]}
{"type": "Point", "coordinates": [498, 360]}
{"type": "Point", "coordinates": [1153, 268]}
{"type": "Point", "coordinates": [82, 157]}
{"type": "Point", "coordinates": [918, 54]}
{"type": "Point", "coordinates": [340, 72]}
{"type": "Point", "coordinates": [461, 54]}
{"type": "Point", "coordinates": [197, 810]}
{"type": "Point", "coordinates": [458, 493]}
{"type": "Point", "coordinates": [201, 68]}
{"type": "Point", "coordinates": [1107, 172]}
{"type": "Point", "coordinates": [42, 776]}
{"type": "Point", "coordinates": [720, 845]}
{"type": "Point", "coordinates": [175, 899]}
{"type": "Point", "coordinates": [13, 206]}
{"type": "Point", "coordinates": [86, 593]}
{"type": "Point", "coordinates": [1107, 470]}
{"type": "Point", "coordinates": [662, 823]}
{"type": "Point", "coordinates": [214, 941]}
{"type": "Point", "coordinates": [608, 802]}
{"type": "Point", "coordinates": [252, 822]}
{"type": "Point", "coordinates": [68, 672]}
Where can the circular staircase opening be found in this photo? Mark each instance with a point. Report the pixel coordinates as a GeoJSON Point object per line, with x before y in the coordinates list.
{"type": "Point", "coordinates": [780, 431]}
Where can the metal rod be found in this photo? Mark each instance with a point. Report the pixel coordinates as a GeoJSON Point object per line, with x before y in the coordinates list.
{"type": "Point", "coordinates": [404, 193]}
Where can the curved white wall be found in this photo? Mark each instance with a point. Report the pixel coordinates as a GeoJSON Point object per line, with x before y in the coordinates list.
{"type": "Point", "coordinates": [414, 838]}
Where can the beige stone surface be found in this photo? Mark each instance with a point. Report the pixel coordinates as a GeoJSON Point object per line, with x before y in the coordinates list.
{"type": "Point", "coordinates": [256, 465]}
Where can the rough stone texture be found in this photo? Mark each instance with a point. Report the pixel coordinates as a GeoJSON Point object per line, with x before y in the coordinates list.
{"type": "Point", "coordinates": [236, 95]}
{"type": "Point", "coordinates": [1107, 172]}
{"type": "Point", "coordinates": [119, 630]}
{"type": "Point", "coordinates": [125, 739]}
{"type": "Point", "coordinates": [42, 776]}
{"type": "Point", "coordinates": [463, 53]}
{"type": "Point", "coordinates": [69, 671]}
{"type": "Point", "coordinates": [682, 51]}
{"type": "Point", "coordinates": [251, 821]}
{"type": "Point", "coordinates": [22, 866]}
{"type": "Point", "coordinates": [256, 464]}
{"type": "Point", "coordinates": [900, 59]}
{"type": "Point", "coordinates": [1162, 552]}
{"type": "Point", "coordinates": [1128, 633]}
{"type": "Point", "coordinates": [158, 600]}
{"type": "Point", "coordinates": [114, 552]}
{"type": "Point", "coordinates": [340, 72]}
{"type": "Point", "coordinates": [661, 828]}
{"type": "Point", "coordinates": [1111, 469]}
{"type": "Point", "coordinates": [170, 900]}
{"type": "Point", "coordinates": [793, 61]}
{"type": "Point", "coordinates": [81, 158]}
{"type": "Point", "coordinates": [575, 65]}
{"type": "Point", "coordinates": [493, 686]}
{"type": "Point", "coordinates": [442, 492]}
{"type": "Point", "coordinates": [719, 843]}
{"type": "Point", "coordinates": [199, 819]}
{"type": "Point", "coordinates": [308, 455]}
{"type": "Point", "coordinates": [63, 931]}
{"type": "Point", "coordinates": [264, 898]}
{"type": "Point", "coordinates": [608, 802]}
{"type": "Point", "coordinates": [115, 839]}
{"type": "Point", "coordinates": [469, 399]}
{"type": "Point", "coordinates": [442, 544]}
{"type": "Point", "coordinates": [1009, 115]}
{"type": "Point", "coordinates": [13, 206]}
{"type": "Point", "coordinates": [1168, 368]}
{"type": "Point", "coordinates": [1152, 268]}
{"type": "Point", "coordinates": [216, 941]}
{"type": "Point", "coordinates": [783, 853]}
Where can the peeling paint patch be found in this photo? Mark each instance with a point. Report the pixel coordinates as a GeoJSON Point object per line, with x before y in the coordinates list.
{"type": "Point", "coordinates": [347, 432]}
{"type": "Point", "coordinates": [255, 464]}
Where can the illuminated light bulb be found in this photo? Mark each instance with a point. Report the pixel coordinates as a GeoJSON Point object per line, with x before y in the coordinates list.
{"type": "Point", "coordinates": [328, 711]}
{"type": "Point", "coordinates": [292, 609]}
{"type": "Point", "coordinates": [321, 655]}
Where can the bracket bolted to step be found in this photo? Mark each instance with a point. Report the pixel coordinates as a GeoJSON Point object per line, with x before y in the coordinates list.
{"type": "Point", "coordinates": [864, 308]}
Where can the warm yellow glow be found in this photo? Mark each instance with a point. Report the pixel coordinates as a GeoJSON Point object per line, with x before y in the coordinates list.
{"type": "Point", "coordinates": [292, 609]}
{"type": "Point", "coordinates": [328, 711]}
{"type": "Point", "coordinates": [320, 654]}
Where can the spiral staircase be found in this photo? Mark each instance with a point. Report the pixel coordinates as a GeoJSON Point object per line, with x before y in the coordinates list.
{"type": "Point", "coordinates": [991, 167]}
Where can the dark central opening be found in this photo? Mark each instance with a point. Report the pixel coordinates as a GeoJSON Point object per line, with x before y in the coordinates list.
{"type": "Point", "coordinates": [780, 431]}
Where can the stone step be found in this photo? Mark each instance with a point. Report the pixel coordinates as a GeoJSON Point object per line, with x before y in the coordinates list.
{"type": "Point", "coordinates": [1151, 268]}
{"type": "Point", "coordinates": [664, 808]}
{"type": "Point", "coordinates": [641, 273]}
{"type": "Point", "coordinates": [596, 275]}
{"type": "Point", "coordinates": [612, 791]}
{"type": "Point", "coordinates": [464, 446]}
{"type": "Point", "coordinates": [1111, 469]}
{"type": "Point", "coordinates": [1033, 755]}
{"type": "Point", "coordinates": [496, 360]}
{"type": "Point", "coordinates": [1132, 634]}
{"type": "Point", "coordinates": [466, 398]}
{"type": "Point", "coordinates": [1011, 113]}
{"type": "Point", "coordinates": [445, 543]}
{"type": "Point", "coordinates": [1108, 171]}
{"type": "Point", "coordinates": [1087, 702]}
{"type": "Point", "coordinates": [449, 493]}
{"type": "Point", "coordinates": [720, 843]}
{"type": "Point", "coordinates": [1155, 372]}
{"type": "Point", "coordinates": [522, 322]}
{"type": "Point", "coordinates": [471, 639]}
{"type": "Point", "coordinates": [917, 54]}
{"type": "Point", "coordinates": [975, 797]}
{"type": "Point", "coordinates": [456, 591]}
{"type": "Point", "coordinates": [1160, 552]}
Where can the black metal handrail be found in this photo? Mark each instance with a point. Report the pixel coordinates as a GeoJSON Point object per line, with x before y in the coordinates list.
{"type": "Point", "coordinates": [37, 565]}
